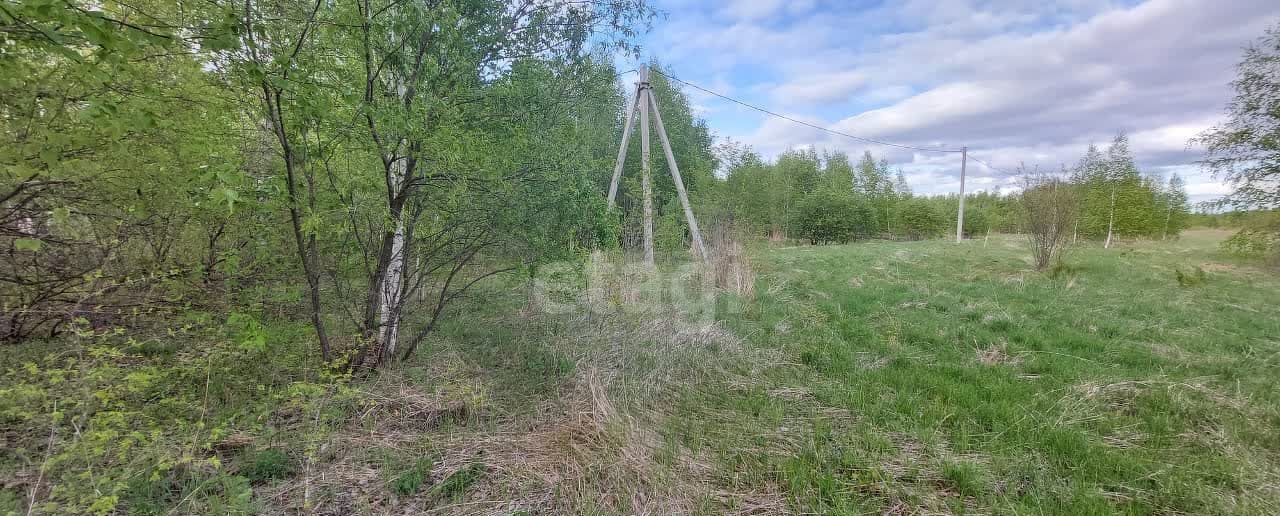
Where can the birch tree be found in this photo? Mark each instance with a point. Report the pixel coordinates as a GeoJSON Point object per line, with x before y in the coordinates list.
{"type": "Point", "coordinates": [1245, 149]}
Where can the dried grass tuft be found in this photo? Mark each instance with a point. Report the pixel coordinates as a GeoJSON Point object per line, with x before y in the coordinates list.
{"type": "Point", "coordinates": [996, 354]}
{"type": "Point", "coordinates": [729, 263]}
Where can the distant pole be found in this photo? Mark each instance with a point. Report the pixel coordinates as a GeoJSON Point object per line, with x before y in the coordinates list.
{"type": "Point", "coordinates": [646, 183]}
{"type": "Point", "coordinates": [964, 159]}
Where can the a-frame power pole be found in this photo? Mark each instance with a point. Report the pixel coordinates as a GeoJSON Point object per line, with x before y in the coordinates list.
{"type": "Point", "coordinates": [643, 101]}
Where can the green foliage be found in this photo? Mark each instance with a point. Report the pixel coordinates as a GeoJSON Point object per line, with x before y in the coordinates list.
{"type": "Point", "coordinates": [265, 465]}
{"type": "Point", "coordinates": [1245, 149]}
{"type": "Point", "coordinates": [830, 216]}
{"type": "Point", "coordinates": [1189, 279]}
{"type": "Point", "coordinates": [1258, 238]}
{"type": "Point", "coordinates": [247, 332]}
{"type": "Point", "coordinates": [1118, 201]}
{"type": "Point", "coordinates": [1252, 242]}
{"type": "Point", "coordinates": [916, 218]}
{"type": "Point", "coordinates": [976, 221]}
{"type": "Point", "coordinates": [456, 484]}
{"type": "Point", "coordinates": [149, 415]}
{"type": "Point", "coordinates": [412, 479]}
{"type": "Point", "coordinates": [770, 198]}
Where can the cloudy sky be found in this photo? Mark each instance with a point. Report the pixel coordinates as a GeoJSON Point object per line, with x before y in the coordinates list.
{"type": "Point", "coordinates": [1016, 81]}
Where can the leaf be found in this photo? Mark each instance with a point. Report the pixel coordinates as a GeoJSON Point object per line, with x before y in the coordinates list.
{"type": "Point", "coordinates": [61, 216]}
{"type": "Point", "coordinates": [27, 244]}
{"type": "Point", "coordinates": [95, 34]}
{"type": "Point", "coordinates": [227, 195]}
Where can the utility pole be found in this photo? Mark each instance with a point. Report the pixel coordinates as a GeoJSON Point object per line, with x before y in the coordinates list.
{"type": "Point", "coordinates": [622, 150]}
{"type": "Point", "coordinates": [646, 184]}
{"type": "Point", "coordinates": [964, 159]}
{"type": "Point", "coordinates": [644, 101]}
{"type": "Point", "coordinates": [675, 176]}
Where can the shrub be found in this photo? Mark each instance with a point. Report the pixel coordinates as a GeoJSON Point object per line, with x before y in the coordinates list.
{"type": "Point", "coordinates": [976, 222]}
{"type": "Point", "coordinates": [1189, 279]}
{"type": "Point", "coordinates": [1260, 237]}
{"type": "Point", "coordinates": [917, 219]}
{"type": "Point", "coordinates": [830, 216]}
{"type": "Point", "coordinates": [1050, 207]}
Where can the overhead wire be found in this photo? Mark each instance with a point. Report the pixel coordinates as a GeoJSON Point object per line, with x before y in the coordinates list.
{"type": "Point", "coordinates": [992, 167]}
{"type": "Point", "coordinates": [802, 122]}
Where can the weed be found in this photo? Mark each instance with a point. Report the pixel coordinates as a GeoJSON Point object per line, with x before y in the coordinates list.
{"type": "Point", "coordinates": [1062, 269]}
{"type": "Point", "coordinates": [454, 486]}
{"type": "Point", "coordinates": [411, 480]}
{"type": "Point", "coordinates": [1193, 278]}
{"type": "Point", "coordinates": [266, 465]}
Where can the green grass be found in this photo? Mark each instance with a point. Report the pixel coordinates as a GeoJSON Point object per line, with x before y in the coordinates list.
{"type": "Point", "coordinates": [877, 377]}
{"type": "Point", "coordinates": [953, 377]}
{"type": "Point", "coordinates": [930, 376]}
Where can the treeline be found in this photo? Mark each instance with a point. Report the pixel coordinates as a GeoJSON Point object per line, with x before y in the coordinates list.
{"type": "Point", "coordinates": [828, 198]}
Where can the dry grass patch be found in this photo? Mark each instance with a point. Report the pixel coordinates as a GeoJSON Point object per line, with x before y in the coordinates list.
{"type": "Point", "coordinates": [996, 354]}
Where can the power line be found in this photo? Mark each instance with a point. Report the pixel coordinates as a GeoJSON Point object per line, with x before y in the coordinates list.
{"type": "Point", "coordinates": [988, 165]}
{"type": "Point", "coordinates": [801, 122]}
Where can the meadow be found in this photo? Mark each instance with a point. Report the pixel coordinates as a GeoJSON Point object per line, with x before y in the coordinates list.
{"type": "Point", "coordinates": [873, 378]}
{"type": "Point", "coordinates": [931, 377]}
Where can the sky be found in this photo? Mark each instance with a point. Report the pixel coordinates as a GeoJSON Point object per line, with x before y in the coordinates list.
{"type": "Point", "coordinates": [1018, 82]}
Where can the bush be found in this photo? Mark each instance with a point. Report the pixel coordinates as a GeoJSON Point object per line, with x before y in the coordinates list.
{"type": "Point", "coordinates": [976, 222]}
{"type": "Point", "coordinates": [917, 219]}
{"type": "Point", "coordinates": [268, 464]}
{"type": "Point", "coordinates": [1260, 238]}
{"type": "Point", "coordinates": [830, 216]}
{"type": "Point", "coordinates": [155, 414]}
{"type": "Point", "coordinates": [1189, 279]}
{"type": "Point", "coordinates": [1050, 208]}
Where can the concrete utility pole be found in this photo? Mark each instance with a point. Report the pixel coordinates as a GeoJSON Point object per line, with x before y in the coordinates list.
{"type": "Point", "coordinates": [646, 183]}
{"type": "Point", "coordinates": [622, 150]}
{"type": "Point", "coordinates": [644, 101]}
{"type": "Point", "coordinates": [675, 175]}
{"type": "Point", "coordinates": [964, 159]}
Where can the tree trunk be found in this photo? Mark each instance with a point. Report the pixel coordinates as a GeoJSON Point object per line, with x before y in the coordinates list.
{"type": "Point", "coordinates": [307, 249]}
{"type": "Point", "coordinates": [1111, 219]}
{"type": "Point", "coordinates": [392, 284]}
{"type": "Point", "coordinates": [1167, 217]}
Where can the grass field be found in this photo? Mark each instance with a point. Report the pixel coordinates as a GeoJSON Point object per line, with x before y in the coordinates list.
{"type": "Point", "coordinates": [873, 378]}
{"type": "Point", "coordinates": [927, 377]}
{"type": "Point", "coordinates": [961, 381]}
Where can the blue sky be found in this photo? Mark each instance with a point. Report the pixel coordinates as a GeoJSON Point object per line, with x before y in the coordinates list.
{"type": "Point", "coordinates": [1017, 82]}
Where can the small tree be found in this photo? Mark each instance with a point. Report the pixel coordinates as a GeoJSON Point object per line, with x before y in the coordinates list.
{"type": "Point", "coordinates": [829, 216]}
{"type": "Point", "coordinates": [917, 219]}
{"type": "Point", "coordinates": [1049, 208]}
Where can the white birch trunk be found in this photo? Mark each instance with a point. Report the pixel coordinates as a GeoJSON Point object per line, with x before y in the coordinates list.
{"type": "Point", "coordinates": [393, 280]}
{"type": "Point", "coordinates": [1111, 219]}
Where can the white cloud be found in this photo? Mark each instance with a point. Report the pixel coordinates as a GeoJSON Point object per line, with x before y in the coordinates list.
{"type": "Point", "coordinates": [820, 88]}
{"type": "Point", "coordinates": [1018, 82]}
